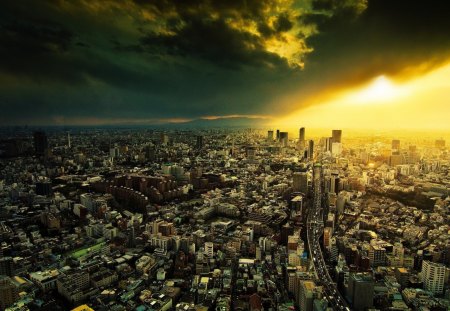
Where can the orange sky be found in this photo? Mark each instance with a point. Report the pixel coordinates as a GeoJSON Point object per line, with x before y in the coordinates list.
{"type": "Point", "coordinates": [420, 102]}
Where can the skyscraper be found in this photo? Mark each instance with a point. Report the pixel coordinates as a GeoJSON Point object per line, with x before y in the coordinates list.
{"type": "Point", "coordinates": [336, 136]}
{"type": "Point", "coordinates": [301, 139]}
{"type": "Point", "coordinates": [360, 291]}
{"type": "Point", "coordinates": [306, 295]}
{"type": "Point", "coordinates": [301, 135]}
{"type": "Point", "coordinates": [270, 135]}
{"type": "Point", "coordinates": [199, 144]}
{"type": "Point", "coordinates": [300, 182]}
{"type": "Point", "coordinates": [311, 150]}
{"type": "Point", "coordinates": [395, 145]}
{"type": "Point", "coordinates": [164, 139]}
{"type": "Point", "coordinates": [40, 143]}
{"type": "Point", "coordinates": [278, 135]}
{"type": "Point", "coordinates": [209, 249]}
{"type": "Point", "coordinates": [433, 275]}
{"type": "Point", "coordinates": [284, 138]}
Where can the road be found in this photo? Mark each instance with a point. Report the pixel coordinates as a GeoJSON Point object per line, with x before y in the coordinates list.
{"type": "Point", "coordinates": [314, 231]}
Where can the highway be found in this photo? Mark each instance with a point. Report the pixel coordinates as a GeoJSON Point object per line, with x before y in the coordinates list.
{"type": "Point", "coordinates": [314, 231]}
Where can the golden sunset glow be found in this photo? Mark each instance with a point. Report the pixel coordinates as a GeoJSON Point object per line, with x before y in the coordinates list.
{"type": "Point", "coordinates": [380, 89]}
{"type": "Point", "coordinates": [420, 101]}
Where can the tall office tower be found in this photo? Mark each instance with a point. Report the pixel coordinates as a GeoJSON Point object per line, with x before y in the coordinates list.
{"type": "Point", "coordinates": [40, 143]}
{"type": "Point", "coordinates": [361, 291]}
{"type": "Point", "coordinates": [336, 136]}
{"type": "Point", "coordinates": [8, 292]}
{"type": "Point", "coordinates": [199, 144]}
{"type": "Point", "coordinates": [270, 135]}
{"type": "Point", "coordinates": [250, 152]}
{"type": "Point", "coordinates": [209, 249]}
{"type": "Point", "coordinates": [336, 149]}
{"type": "Point", "coordinates": [327, 143]}
{"type": "Point", "coordinates": [334, 182]}
{"type": "Point", "coordinates": [284, 138]}
{"type": "Point", "coordinates": [327, 235]}
{"type": "Point", "coordinates": [69, 143]}
{"type": "Point", "coordinates": [300, 182]}
{"type": "Point", "coordinates": [433, 275]}
{"type": "Point", "coordinates": [301, 144]}
{"type": "Point", "coordinates": [306, 295]}
{"type": "Point", "coordinates": [164, 138]}
{"type": "Point", "coordinates": [114, 152]}
{"type": "Point", "coordinates": [311, 150]}
{"type": "Point", "coordinates": [301, 135]}
{"type": "Point", "coordinates": [278, 135]}
{"type": "Point", "coordinates": [395, 145]}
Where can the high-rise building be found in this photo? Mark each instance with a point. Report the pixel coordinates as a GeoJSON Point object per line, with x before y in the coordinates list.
{"type": "Point", "coordinates": [8, 292]}
{"type": "Point", "coordinates": [336, 136]}
{"type": "Point", "coordinates": [199, 144]}
{"type": "Point", "coordinates": [270, 135]}
{"type": "Point", "coordinates": [300, 182]}
{"type": "Point", "coordinates": [250, 152]}
{"type": "Point", "coordinates": [395, 145]}
{"type": "Point", "coordinates": [402, 275]}
{"type": "Point", "coordinates": [311, 150]}
{"type": "Point", "coordinates": [327, 235]}
{"type": "Point", "coordinates": [327, 143]}
{"type": "Point", "coordinates": [377, 255]}
{"type": "Point", "coordinates": [114, 152]}
{"type": "Point", "coordinates": [284, 138]}
{"type": "Point", "coordinates": [164, 139]}
{"type": "Point", "coordinates": [301, 135]}
{"type": "Point", "coordinates": [301, 144]}
{"type": "Point", "coordinates": [334, 183]}
{"type": "Point", "coordinates": [336, 149]}
{"type": "Point", "coordinates": [40, 143]}
{"type": "Point", "coordinates": [278, 135]}
{"type": "Point", "coordinates": [433, 276]}
{"type": "Point", "coordinates": [306, 295]}
{"type": "Point", "coordinates": [360, 291]}
{"type": "Point", "coordinates": [209, 249]}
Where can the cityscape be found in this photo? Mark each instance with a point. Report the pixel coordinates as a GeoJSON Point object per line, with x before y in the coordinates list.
{"type": "Point", "coordinates": [230, 219]}
{"type": "Point", "coordinates": [225, 155]}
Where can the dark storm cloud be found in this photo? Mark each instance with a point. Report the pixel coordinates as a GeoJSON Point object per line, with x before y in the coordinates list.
{"type": "Point", "coordinates": [185, 59]}
{"type": "Point", "coordinates": [389, 37]}
{"type": "Point", "coordinates": [154, 59]}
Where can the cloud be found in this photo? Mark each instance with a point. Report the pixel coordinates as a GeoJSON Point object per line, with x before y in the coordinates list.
{"type": "Point", "coordinates": [388, 37]}
{"type": "Point", "coordinates": [229, 33]}
{"type": "Point", "coordinates": [158, 60]}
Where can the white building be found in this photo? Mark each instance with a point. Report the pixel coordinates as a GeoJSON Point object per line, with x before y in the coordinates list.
{"type": "Point", "coordinates": [433, 275]}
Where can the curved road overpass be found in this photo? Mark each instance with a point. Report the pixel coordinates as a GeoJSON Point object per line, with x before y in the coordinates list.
{"type": "Point", "coordinates": [314, 231]}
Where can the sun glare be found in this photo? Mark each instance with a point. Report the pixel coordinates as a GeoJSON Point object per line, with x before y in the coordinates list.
{"type": "Point", "coordinates": [380, 89]}
{"type": "Point", "coordinates": [383, 103]}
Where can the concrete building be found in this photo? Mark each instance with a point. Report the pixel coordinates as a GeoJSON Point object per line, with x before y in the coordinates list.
{"type": "Point", "coordinates": [433, 276]}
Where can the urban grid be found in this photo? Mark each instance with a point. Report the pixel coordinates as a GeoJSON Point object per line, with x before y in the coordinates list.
{"type": "Point", "coordinates": [102, 219]}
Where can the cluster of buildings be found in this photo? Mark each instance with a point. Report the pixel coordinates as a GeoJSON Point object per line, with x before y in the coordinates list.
{"type": "Point", "coordinates": [216, 220]}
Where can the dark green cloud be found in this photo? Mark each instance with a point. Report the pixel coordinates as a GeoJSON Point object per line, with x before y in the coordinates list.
{"type": "Point", "coordinates": [68, 60]}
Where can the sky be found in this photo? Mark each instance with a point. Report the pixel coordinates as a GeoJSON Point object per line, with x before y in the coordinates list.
{"type": "Point", "coordinates": [314, 63]}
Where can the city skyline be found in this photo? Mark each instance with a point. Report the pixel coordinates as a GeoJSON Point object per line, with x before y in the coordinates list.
{"type": "Point", "coordinates": [266, 64]}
